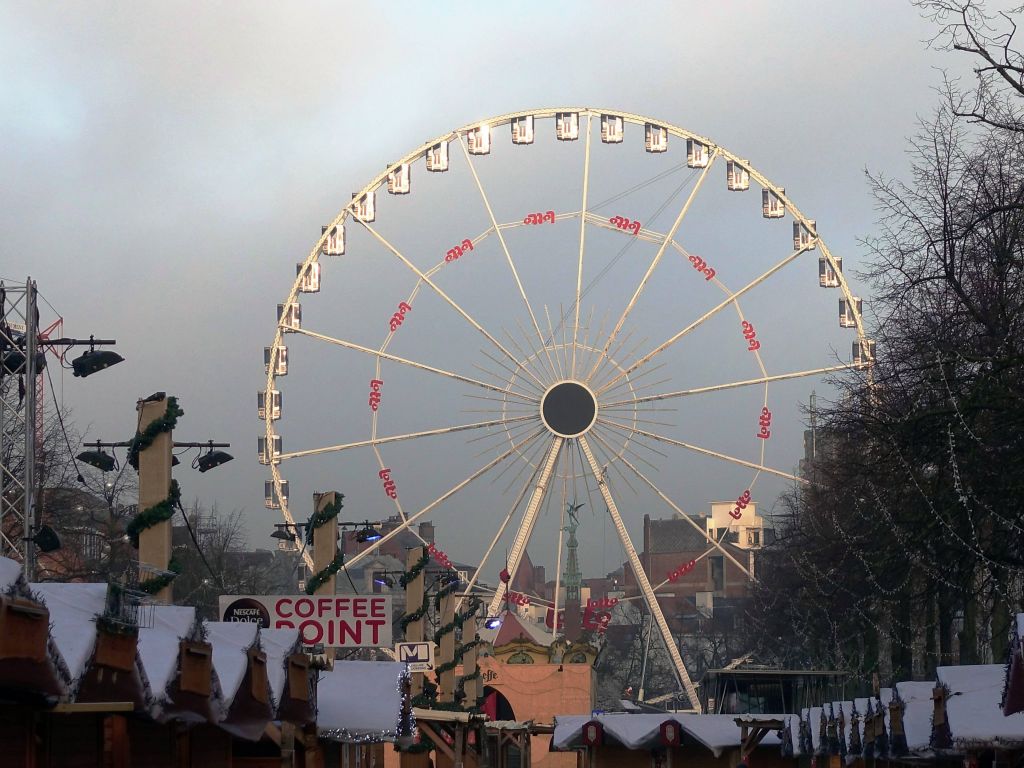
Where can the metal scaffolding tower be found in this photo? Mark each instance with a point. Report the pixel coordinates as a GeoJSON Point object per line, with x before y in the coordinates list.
{"type": "Point", "coordinates": [20, 364]}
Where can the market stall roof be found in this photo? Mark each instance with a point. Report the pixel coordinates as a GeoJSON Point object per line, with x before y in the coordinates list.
{"type": "Point", "coordinates": [973, 708]}
{"type": "Point", "coordinates": [643, 731]}
{"type": "Point", "coordinates": [793, 726]}
{"type": "Point", "coordinates": [917, 713]}
{"type": "Point", "coordinates": [159, 644]}
{"type": "Point", "coordinates": [1013, 687]}
{"type": "Point", "coordinates": [364, 701]}
{"type": "Point", "coordinates": [814, 715]}
{"type": "Point", "coordinates": [10, 574]}
{"type": "Point", "coordinates": [846, 708]}
{"type": "Point", "coordinates": [278, 644]}
{"type": "Point", "coordinates": [73, 612]}
{"type": "Point", "coordinates": [231, 640]}
{"type": "Point", "coordinates": [719, 732]}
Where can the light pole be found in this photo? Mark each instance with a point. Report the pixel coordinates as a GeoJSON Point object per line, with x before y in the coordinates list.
{"type": "Point", "coordinates": [151, 452]}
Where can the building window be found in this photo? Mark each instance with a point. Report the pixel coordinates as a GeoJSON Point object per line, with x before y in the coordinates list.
{"type": "Point", "coordinates": [754, 538]}
{"type": "Point", "coordinates": [717, 572]}
{"type": "Point", "coordinates": [92, 545]}
{"type": "Point", "coordinates": [520, 657]}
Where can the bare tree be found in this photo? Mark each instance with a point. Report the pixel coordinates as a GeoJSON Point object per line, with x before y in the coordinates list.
{"type": "Point", "coordinates": [906, 550]}
{"type": "Point", "coordinates": [995, 96]}
{"type": "Point", "coordinates": [213, 557]}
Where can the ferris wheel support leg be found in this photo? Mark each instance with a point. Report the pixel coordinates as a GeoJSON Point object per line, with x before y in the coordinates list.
{"type": "Point", "coordinates": [641, 578]}
{"type": "Point", "coordinates": [529, 520]}
{"type": "Point", "coordinates": [494, 542]}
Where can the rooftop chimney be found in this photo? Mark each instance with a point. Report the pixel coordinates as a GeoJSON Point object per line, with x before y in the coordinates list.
{"type": "Point", "coordinates": [427, 532]}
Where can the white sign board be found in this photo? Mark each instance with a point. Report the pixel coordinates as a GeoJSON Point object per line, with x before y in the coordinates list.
{"type": "Point", "coordinates": [419, 656]}
{"type": "Point", "coordinates": [339, 621]}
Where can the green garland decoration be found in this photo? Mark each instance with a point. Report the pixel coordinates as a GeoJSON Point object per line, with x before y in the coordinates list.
{"type": "Point", "coordinates": [324, 516]}
{"type": "Point", "coordinates": [412, 616]}
{"type": "Point", "coordinates": [157, 583]}
{"type": "Point", "coordinates": [405, 580]}
{"type": "Point", "coordinates": [318, 520]}
{"type": "Point", "coordinates": [317, 580]}
{"type": "Point", "coordinates": [144, 439]}
{"type": "Point", "coordinates": [458, 621]}
{"type": "Point", "coordinates": [428, 698]}
{"type": "Point", "coordinates": [451, 584]}
{"type": "Point", "coordinates": [417, 568]}
{"type": "Point", "coordinates": [158, 513]}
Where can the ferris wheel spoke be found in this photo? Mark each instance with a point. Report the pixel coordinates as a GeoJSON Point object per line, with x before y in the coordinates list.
{"type": "Point", "coordinates": [706, 316]}
{"type": "Point", "coordinates": [529, 520]}
{"type": "Point", "coordinates": [654, 262]}
{"type": "Point", "coordinates": [508, 255]}
{"type": "Point", "coordinates": [609, 455]}
{"type": "Point", "coordinates": [405, 524]}
{"type": "Point", "coordinates": [730, 385]}
{"type": "Point", "coordinates": [583, 236]}
{"type": "Point", "coordinates": [705, 451]}
{"type": "Point", "coordinates": [408, 436]}
{"type": "Point", "coordinates": [437, 289]}
{"type": "Point", "coordinates": [715, 544]}
{"type": "Point", "coordinates": [641, 577]}
{"type": "Point", "coordinates": [497, 537]}
{"type": "Point", "coordinates": [412, 363]}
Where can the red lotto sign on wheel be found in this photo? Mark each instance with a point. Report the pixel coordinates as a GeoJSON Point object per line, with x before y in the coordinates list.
{"type": "Point", "coordinates": [341, 621]}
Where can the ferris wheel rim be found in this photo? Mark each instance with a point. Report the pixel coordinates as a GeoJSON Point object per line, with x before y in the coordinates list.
{"type": "Point", "coordinates": [558, 439]}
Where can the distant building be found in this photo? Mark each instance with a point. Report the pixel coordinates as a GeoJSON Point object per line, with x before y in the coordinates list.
{"type": "Point", "coordinates": [715, 583]}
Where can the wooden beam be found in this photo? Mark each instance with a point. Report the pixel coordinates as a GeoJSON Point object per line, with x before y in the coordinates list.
{"type": "Point", "coordinates": [413, 600]}
{"type": "Point", "coordinates": [460, 746]}
{"type": "Point", "coordinates": [438, 739]}
{"type": "Point", "coordinates": [93, 707]}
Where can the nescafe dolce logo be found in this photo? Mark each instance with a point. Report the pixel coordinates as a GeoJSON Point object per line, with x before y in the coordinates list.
{"type": "Point", "coordinates": [248, 609]}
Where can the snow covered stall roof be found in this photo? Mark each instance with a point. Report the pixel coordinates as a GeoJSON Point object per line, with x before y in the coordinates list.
{"type": "Point", "coordinates": [364, 701]}
{"type": "Point", "coordinates": [643, 731]}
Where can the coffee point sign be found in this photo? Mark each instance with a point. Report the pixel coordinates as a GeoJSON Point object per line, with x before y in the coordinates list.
{"type": "Point", "coordinates": [339, 621]}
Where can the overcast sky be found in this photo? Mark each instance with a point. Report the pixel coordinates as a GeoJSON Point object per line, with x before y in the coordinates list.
{"type": "Point", "coordinates": [165, 165]}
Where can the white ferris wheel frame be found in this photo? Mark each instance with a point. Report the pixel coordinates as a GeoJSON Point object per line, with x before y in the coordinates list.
{"type": "Point", "coordinates": [601, 360]}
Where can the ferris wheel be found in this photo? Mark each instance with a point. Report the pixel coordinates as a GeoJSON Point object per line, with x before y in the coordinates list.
{"type": "Point", "coordinates": [529, 332]}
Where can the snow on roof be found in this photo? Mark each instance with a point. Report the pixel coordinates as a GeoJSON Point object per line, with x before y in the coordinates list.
{"type": "Point", "coordinates": [642, 731]}
{"type": "Point", "coordinates": [158, 645]}
{"type": "Point", "coordinates": [862, 709]}
{"type": "Point", "coordinates": [885, 695]}
{"type": "Point", "coordinates": [10, 572]}
{"type": "Point", "coordinates": [816, 715]}
{"type": "Point", "coordinates": [793, 724]}
{"type": "Point", "coordinates": [846, 707]}
{"type": "Point", "coordinates": [973, 708]}
{"type": "Point", "coordinates": [568, 729]}
{"type": "Point", "coordinates": [231, 640]}
{"type": "Point", "coordinates": [717, 732]}
{"type": "Point", "coordinates": [917, 713]}
{"type": "Point", "coordinates": [634, 731]}
{"type": "Point", "coordinates": [73, 611]}
{"type": "Point", "coordinates": [361, 700]}
{"type": "Point", "coordinates": [278, 644]}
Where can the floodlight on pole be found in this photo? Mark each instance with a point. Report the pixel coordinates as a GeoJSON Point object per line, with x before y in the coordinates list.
{"type": "Point", "coordinates": [98, 459]}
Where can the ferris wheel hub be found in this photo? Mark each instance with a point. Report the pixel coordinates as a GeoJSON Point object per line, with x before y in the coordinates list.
{"type": "Point", "coordinates": [568, 408]}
